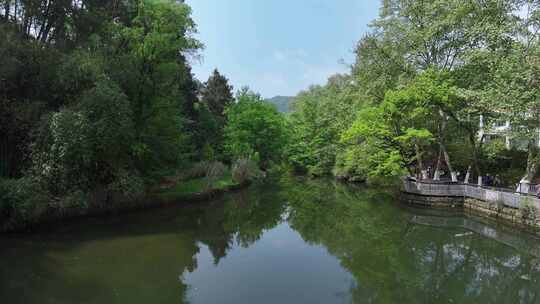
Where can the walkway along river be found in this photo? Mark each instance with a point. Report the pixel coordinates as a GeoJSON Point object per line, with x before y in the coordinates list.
{"type": "Point", "coordinates": [516, 208]}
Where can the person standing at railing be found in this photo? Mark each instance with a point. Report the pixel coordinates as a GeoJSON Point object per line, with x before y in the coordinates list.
{"type": "Point", "coordinates": [488, 180]}
{"type": "Point", "coordinates": [497, 181]}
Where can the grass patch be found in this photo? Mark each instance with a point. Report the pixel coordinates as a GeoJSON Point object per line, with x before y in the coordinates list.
{"type": "Point", "coordinates": [187, 188]}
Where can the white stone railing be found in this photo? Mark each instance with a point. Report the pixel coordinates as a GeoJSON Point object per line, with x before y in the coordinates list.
{"type": "Point", "coordinates": [491, 195]}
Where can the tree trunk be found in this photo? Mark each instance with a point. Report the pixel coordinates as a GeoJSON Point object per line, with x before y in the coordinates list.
{"type": "Point", "coordinates": [449, 163]}
{"type": "Point", "coordinates": [7, 8]}
{"type": "Point", "coordinates": [468, 175]}
{"type": "Point", "coordinates": [532, 162]}
{"type": "Point", "coordinates": [422, 173]}
{"type": "Point", "coordinates": [437, 174]}
{"type": "Point", "coordinates": [45, 23]}
{"type": "Point", "coordinates": [533, 159]}
{"type": "Point", "coordinates": [475, 149]}
{"type": "Point", "coordinates": [442, 129]}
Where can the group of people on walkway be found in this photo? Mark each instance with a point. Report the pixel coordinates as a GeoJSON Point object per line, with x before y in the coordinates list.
{"type": "Point", "coordinates": [492, 181]}
{"type": "Point", "coordinates": [487, 180]}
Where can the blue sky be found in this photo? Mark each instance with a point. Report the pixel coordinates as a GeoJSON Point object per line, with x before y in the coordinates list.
{"type": "Point", "coordinates": [279, 47]}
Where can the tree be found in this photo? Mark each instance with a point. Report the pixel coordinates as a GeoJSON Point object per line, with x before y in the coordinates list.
{"type": "Point", "coordinates": [254, 127]}
{"type": "Point", "coordinates": [320, 114]}
{"type": "Point", "coordinates": [402, 127]}
{"type": "Point", "coordinates": [439, 55]}
{"type": "Point", "coordinates": [147, 59]}
{"type": "Point", "coordinates": [114, 75]}
{"type": "Point", "coordinates": [437, 34]}
{"type": "Point", "coordinates": [513, 86]}
{"type": "Point", "coordinates": [217, 94]}
{"type": "Point", "coordinates": [517, 97]}
{"type": "Point", "coordinates": [88, 145]}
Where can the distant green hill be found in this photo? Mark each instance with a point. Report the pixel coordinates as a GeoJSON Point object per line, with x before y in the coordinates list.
{"type": "Point", "coordinates": [282, 103]}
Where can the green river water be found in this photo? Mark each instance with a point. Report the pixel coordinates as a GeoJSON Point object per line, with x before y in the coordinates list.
{"type": "Point", "coordinates": [286, 241]}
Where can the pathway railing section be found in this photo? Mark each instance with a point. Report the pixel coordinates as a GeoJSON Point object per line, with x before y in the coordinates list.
{"type": "Point", "coordinates": [487, 194]}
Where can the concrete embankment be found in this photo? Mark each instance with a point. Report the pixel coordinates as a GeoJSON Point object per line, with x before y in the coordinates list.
{"type": "Point", "coordinates": [516, 208]}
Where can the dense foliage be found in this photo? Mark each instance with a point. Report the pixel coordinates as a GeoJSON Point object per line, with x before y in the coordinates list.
{"type": "Point", "coordinates": [431, 83]}
{"type": "Point", "coordinates": [97, 99]}
{"type": "Point", "coordinates": [255, 129]}
{"type": "Point", "coordinates": [320, 114]}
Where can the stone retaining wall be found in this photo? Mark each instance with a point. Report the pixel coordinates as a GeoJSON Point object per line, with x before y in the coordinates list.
{"type": "Point", "coordinates": [432, 201]}
{"type": "Point", "coordinates": [519, 209]}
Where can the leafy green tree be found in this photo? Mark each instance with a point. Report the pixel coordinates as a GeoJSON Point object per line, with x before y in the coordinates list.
{"type": "Point", "coordinates": [516, 94]}
{"type": "Point", "coordinates": [148, 63]}
{"type": "Point", "coordinates": [320, 115]}
{"type": "Point", "coordinates": [401, 128]}
{"type": "Point", "coordinates": [27, 91]}
{"type": "Point", "coordinates": [255, 127]}
{"type": "Point", "coordinates": [87, 146]}
{"type": "Point", "coordinates": [512, 89]}
{"type": "Point", "coordinates": [435, 53]}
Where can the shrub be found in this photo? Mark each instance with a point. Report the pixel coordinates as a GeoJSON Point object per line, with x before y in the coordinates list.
{"type": "Point", "coordinates": [197, 170]}
{"type": "Point", "coordinates": [128, 183]}
{"type": "Point", "coordinates": [76, 199]}
{"type": "Point", "coordinates": [87, 145]}
{"type": "Point", "coordinates": [62, 155]}
{"type": "Point", "coordinates": [214, 171]}
{"type": "Point", "coordinates": [208, 152]}
{"type": "Point", "coordinates": [351, 164]}
{"type": "Point", "coordinates": [22, 201]}
{"type": "Point", "coordinates": [245, 169]}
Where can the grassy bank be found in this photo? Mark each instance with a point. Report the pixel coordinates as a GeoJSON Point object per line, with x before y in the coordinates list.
{"type": "Point", "coordinates": [24, 203]}
{"type": "Point", "coordinates": [194, 187]}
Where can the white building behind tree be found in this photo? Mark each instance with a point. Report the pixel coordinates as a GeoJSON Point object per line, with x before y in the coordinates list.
{"type": "Point", "coordinates": [502, 129]}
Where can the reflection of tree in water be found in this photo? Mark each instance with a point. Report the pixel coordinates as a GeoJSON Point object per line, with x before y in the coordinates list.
{"type": "Point", "coordinates": [394, 262]}
{"type": "Point", "coordinates": [472, 268]}
{"type": "Point", "coordinates": [211, 233]}
{"type": "Point", "coordinates": [144, 255]}
{"type": "Point", "coordinates": [242, 217]}
{"type": "Point", "coordinates": [136, 258]}
{"type": "Point", "coordinates": [252, 214]}
{"type": "Point", "coordinates": [99, 261]}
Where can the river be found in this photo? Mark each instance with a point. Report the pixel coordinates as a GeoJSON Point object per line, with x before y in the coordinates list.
{"type": "Point", "coordinates": [285, 241]}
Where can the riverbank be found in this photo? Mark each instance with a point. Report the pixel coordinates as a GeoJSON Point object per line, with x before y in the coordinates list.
{"type": "Point", "coordinates": [514, 208]}
{"type": "Point", "coordinates": [106, 203]}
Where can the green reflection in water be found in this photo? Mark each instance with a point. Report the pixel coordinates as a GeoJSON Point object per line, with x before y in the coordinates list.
{"type": "Point", "coordinates": [288, 241]}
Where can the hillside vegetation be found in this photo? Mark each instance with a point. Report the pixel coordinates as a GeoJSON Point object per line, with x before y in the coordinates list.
{"type": "Point", "coordinates": [282, 103]}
